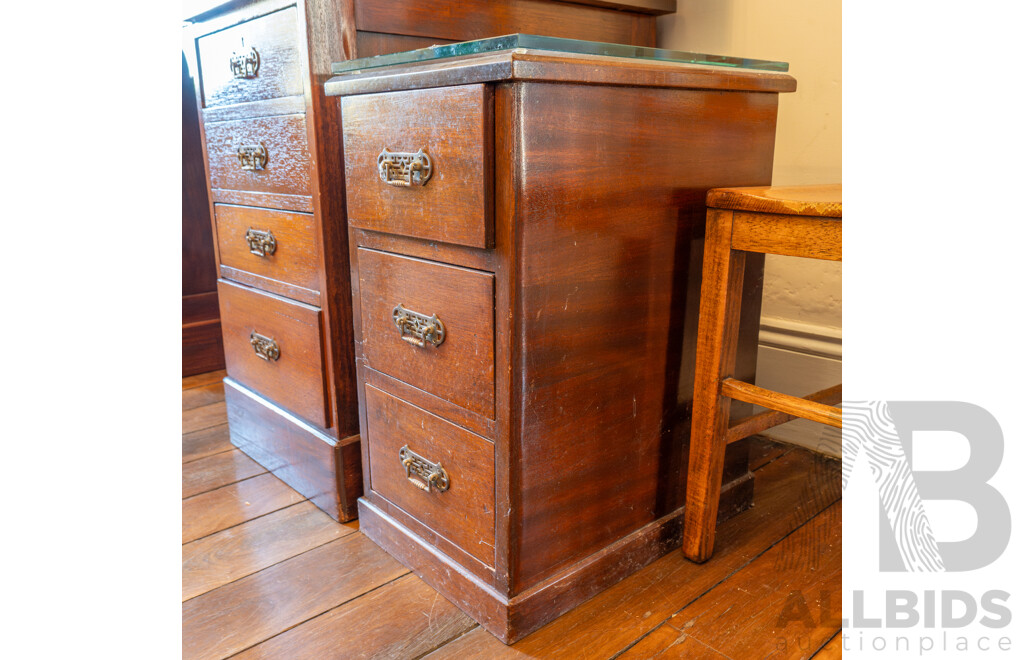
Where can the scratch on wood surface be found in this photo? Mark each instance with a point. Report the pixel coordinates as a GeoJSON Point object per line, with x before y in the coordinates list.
{"type": "Point", "coordinates": [430, 615]}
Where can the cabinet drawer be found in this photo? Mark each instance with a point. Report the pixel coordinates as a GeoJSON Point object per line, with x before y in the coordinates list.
{"type": "Point", "coordinates": [275, 347]}
{"type": "Point", "coordinates": [253, 61]}
{"type": "Point", "coordinates": [459, 505]}
{"type": "Point", "coordinates": [453, 128]}
{"type": "Point", "coordinates": [460, 367]}
{"type": "Point", "coordinates": [276, 245]}
{"type": "Point", "coordinates": [266, 154]}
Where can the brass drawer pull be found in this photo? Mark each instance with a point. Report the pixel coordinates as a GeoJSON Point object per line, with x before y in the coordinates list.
{"type": "Point", "coordinates": [404, 169]}
{"type": "Point", "coordinates": [422, 473]}
{"type": "Point", "coordinates": [245, 64]}
{"type": "Point", "coordinates": [252, 157]}
{"type": "Point", "coordinates": [265, 347]}
{"type": "Point", "coordinates": [416, 328]}
{"type": "Point", "coordinates": [261, 243]}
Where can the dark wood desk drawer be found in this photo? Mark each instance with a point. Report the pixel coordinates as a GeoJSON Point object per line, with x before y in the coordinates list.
{"type": "Point", "coordinates": [453, 128]}
{"type": "Point", "coordinates": [275, 346]}
{"type": "Point", "coordinates": [266, 154]}
{"type": "Point", "coordinates": [253, 61]}
{"type": "Point", "coordinates": [276, 245]}
{"type": "Point", "coordinates": [459, 504]}
{"type": "Point", "coordinates": [457, 366]}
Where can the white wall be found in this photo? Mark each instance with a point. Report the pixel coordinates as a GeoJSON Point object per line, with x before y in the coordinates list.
{"type": "Point", "coordinates": [801, 336]}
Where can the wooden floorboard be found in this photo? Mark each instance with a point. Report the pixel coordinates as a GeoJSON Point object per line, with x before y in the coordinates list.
{"type": "Point", "coordinates": [216, 471]}
{"type": "Point", "coordinates": [265, 574]}
{"type": "Point", "coordinates": [203, 417]}
{"type": "Point", "coordinates": [774, 605]}
{"type": "Point", "coordinates": [258, 607]}
{"type": "Point", "coordinates": [234, 504]}
{"type": "Point", "coordinates": [666, 643]}
{"type": "Point", "coordinates": [763, 451]}
{"type": "Point", "coordinates": [202, 396]}
{"type": "Point", "coordinates": [833, 650]}
{"type": "Point", "coordinates": [403, 619]}
{"type": "Point", "coordinates": [200, 380]}
{"type": "Point", "coordinates": [207, 442]}
{"type": "Point", "coordinates": [243, 550]}
{"type": "Point", "coordinates": [615, 619]}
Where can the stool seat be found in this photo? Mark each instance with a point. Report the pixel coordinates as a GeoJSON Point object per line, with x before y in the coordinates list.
{"type": "Point", "coordinates": [821, 201]}
{"type": "Point", "coordinates": [799, 221]}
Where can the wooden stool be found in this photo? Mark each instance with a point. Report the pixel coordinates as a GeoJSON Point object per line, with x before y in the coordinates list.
{"type": "Point", "coordinates": [801, 221]}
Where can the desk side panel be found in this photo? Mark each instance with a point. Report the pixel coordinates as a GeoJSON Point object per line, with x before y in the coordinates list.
{"type": "Point", "coordinates": [611, 222]}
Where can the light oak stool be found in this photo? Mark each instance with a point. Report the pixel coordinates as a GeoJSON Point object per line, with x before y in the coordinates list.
{"type": "Point", "coordinates": [799, 221]}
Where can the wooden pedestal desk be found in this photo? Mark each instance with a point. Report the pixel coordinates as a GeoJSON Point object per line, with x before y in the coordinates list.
{"type": "Point", "coordinates": [277, 202]}
{"type": "Point", "coordinates": [525, 234]}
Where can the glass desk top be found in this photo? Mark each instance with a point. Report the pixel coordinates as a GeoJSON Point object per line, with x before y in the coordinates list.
{"type": "Point", "coordinates": [513, 41]}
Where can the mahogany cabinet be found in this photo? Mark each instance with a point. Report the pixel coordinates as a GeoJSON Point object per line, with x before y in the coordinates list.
{"type": "Point", "coordinates": [525, 240]}
{"type": "Point", "coordinates": [277, 202]}
{"type": "Point", "coordinates": [202, 348]}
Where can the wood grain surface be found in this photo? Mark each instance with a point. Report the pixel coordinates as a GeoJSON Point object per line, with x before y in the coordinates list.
{"type": "Point", "coordinates": [453, 127]}
{"type": "Point", "coordinates": [369, 44]}
{"type": "Point", "coordinates": [463, 514]}
{"type": "Point", "coordinates": [771, 418]}
{"type": "Point", "coordinates": [789, 598]}
{"type": "Point", "coordinates": [275, 38]}
{"type": "Point", "coordinates": [833, 650]}
{"type": "Point", "coordinates": [615, 619]}
{"type": "Point", "coordinates": [296, 379]}
{"type": "Point", "coordinates": [822, 201]}
{"type": "Point", "coordinates": [201, 346]}
{"type": "Point", "coordinates": [321, 467]}
{"type": "Point", "coordinates": [221, 469]}
{"type": "Point", "coordinates": [304, 585]}
{"type": "Point", "coordinates": [348, 598]}
{"type": "Point", "coordinates": [202, 396]}
{"type": "Point", "coordinates": [201, 417]}
{"type": "Point", "coordinates": [402, 619]}
{"type": "Point", "coordinates": [207, 442]}
{"type": "Point", "coordinates": [239, 551]}
{"type": "Point", "coordinates": [462, 20]}
{"type": "Point", "coordinates": [785, 403]}
{"type": "Point", "coordinates": [200, 380]}
{"type": "Point", "coordinates": [792, 236]}
{"type": "Point", "coordinates": [286, 170]}
{"type": "Point", "coordinates": [667, 643]}
{"type": "Point", "coordinates": [608, 232]}
{"type": "Point", "coordinates": [732, 233]}
{"type": "Point", "coordinates": [717, 340]}
{"type": "Point", "coordinates": [295, 259]}
{"type": "Point", "coordinates": [231, 505]}
{"type": "Point", "coordinates": [461, 368]}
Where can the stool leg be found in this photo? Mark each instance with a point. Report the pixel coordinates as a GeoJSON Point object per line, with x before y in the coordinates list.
{"type": "Point", "coordinates": [720, 303]}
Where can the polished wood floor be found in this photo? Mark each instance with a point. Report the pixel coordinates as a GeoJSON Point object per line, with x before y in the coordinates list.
{"type": "Point", "coordinates": [265, 574]}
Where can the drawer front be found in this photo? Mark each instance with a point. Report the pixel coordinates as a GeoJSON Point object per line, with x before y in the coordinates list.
{"type": "Point", "coordinates": [460, 367]}
{"type": "Point", "coordinates": [253, 61]}
{"type": "Point", "coordinates": [459, 505]}
{"type": "Point", "coordinates": [266, 154]}
{"type": "Point", "coordinates": [275, 347]}
{"type": "Point", "coordinates": [453, 128]}
{"type": "Point", "coordinates": [278, 245]}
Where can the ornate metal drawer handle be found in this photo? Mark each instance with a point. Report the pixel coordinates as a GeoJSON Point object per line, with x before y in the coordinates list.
{"type": "Point", "coordinates": [265, 347]}
{"type": "Point", "coordinates": [261, 243]}
{"type": "Point", "coordinates": [404, 169]}
{"type": "Point", "coordinates": [416, 328]}
{"type": "Point", "coordinates": [245, 64]}
{"type": "Point", "coordinates": [252, 157]}
{"type": "Point", "coordinates": [422, 473]}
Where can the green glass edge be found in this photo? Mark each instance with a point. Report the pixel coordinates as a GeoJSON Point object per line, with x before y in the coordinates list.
{"type": "Point", "coordinates": [510, 41]}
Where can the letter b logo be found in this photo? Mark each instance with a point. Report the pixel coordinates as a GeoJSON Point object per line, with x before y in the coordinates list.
{"type": "Point", "coordinates": [883, 431]}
